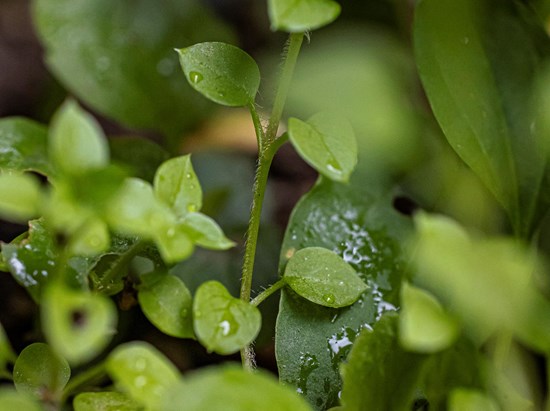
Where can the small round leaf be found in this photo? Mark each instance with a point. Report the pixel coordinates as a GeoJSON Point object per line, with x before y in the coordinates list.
{"type": "Point", "coordinates": [302, 15]}
{"type": "Point", "coordinates": [104, 401]}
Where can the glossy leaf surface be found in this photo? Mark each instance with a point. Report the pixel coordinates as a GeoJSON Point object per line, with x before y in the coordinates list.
{"type": "Point", "coordinates": [104, 401]}
{"type": "Point", "coordinates": [167, 303]}
{"type": "Point", "coordinates": [230, 388]}
{"type": "Point", "coordinates": [327, 142]}
{"type": "Point", "coordinates": [312, 341]}
{"type": "Point", "coordinates": [40, 372]}
{"type": "Point", "coordinates": [221, 72]}
{"type": "Point", "coordinates": [20, 197]}
{"type": "Point", "coordinates": [205, 232]}
{"type": "Point", "coordinates": [323, 277]}
{"type": "Point", "coordinates": [13, 400]}
{"type": "Point", "coordinates": [301, 15]}
{"type": "Point", "coordinates": [223, 324]}
{"type": "Point", "coordinates": [142, 372]}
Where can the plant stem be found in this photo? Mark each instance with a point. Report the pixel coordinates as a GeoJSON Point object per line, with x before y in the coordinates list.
{"type": "Point", "coordinates": [267, 292]}
{"type": "Point", "coordinates": [258, 128]}
{"type": "Point", "coordinates": [90, 375]}
{"type": "Point", "coordinates": [124, 259]}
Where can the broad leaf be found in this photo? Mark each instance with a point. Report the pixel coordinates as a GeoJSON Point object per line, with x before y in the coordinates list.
{"type": "Point", "coordinates": [221, 72]}
{"type": "Point", "coordinates": [40, 372]}
{"type": "Point", "coordinates": [323, 277]}
{"type": "Point", "coordinates": [302, 15]}
{"type": "Point", "coordinates": [327, 142]}
{"type": "Point", "coordinates": [230, 388]}
{"type": "Point", "coordinates": [477, 61]}
{"type": "Point", "coordinates": [104, 401]}
{"type": "Point", "coordinates": [223, 324]}
{"type": "Point", "coordinates": [312, 341]}
{"type": "Point", "coordinates": [205, 232]}
{"type": "Point", "coordinates": [167, 303]}
{"type": "Point", "coordinates": [20, 197]}
{"type": "Point", "coordinates": [142, 372]}
{"type": "Point", "coordinates": [13, 400]}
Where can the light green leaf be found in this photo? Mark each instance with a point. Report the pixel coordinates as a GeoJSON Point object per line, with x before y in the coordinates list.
{"type": "Point", "coordinates": [230, 388]}
{"type": "Point", "coordinates": [221, 72]}
{"type": "Point", "coordinates": [91, 239]}
{"type": "Point", "coordinates": [174, 244]}
{"type": "Point", "coordinates": [223, 324]}
{"type": "Point", "coordinates": [323, 277]}
{"type": "Point", "coordinates": [40, 372]}
{"type": "Point", "coordinates": [142, 372]}
{"type": "Point", "coordinates": [205, 232]}
{"type": "Point", "coordinates": [471, 400]}
{"type": "Point", "coordinates": [7, 354]}
{"type": "Point", "coordinates": [13, 400]}
{"type": "Point", "coordinates": [20, 196]}
{"type": "Point", "coordinates": [104, 401]}
{"type": "Point", "coordinates": [327, 142]}
{"type": "Point", "coordinates": [423, 324]}
{"type": "Point", "coordinates": [77, 324]}
{"type": "Point", "coordinates": [76, 141]}
{"type": "Point", "coordinates": [177, 185]}
{"type": "Point", "coordinates": [167, 303]}
{"type": "Point", "coordinates": [302, 15]}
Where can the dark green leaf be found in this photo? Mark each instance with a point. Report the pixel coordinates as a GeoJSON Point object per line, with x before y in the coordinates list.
{"type": "Point", "coordinates": [40, 372]}
{"type": "Point", "coordinates": [13, 400]}
{"type": "Point", "coordinates": [23, 146]}
{"type": "Point", "coordinates": [323, 277]}
{"type": "Point", "coordinates": [20, 197]}
{"type": "Point", "coordinates": [302, 15]}
{"type": "Point", "coordinates": [118, 56]}
{"type": "Point", "coordinates": [223, 324]}
{"type": "Point", "coordinates": [205, 232]}
{"type": "Point", "coordinates": [327, 142]}
{"type": "Point", "coordinates": [230, 388]}
{"type": "Point", "coordinates": [167, 303]}
{"type": "Point", "coordinates": [104, 401]}
{"type": "Point", "coordinates": [221, 72]}
{"type": "Point", "coordinates": [141, 155]}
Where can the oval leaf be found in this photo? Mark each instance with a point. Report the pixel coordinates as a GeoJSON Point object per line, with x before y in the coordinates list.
{"type": "Point", "coordinates": [327, 142]}
{"type": "Point", "coordinates": [167, 303]}
{"type": "Point", "coordinates": [104, 401]}
{"type": "Point", "coordinates": [20, 196]}
{"type": "Point", "coordinates": [223, 324]}
{"type": "Point", "coordinates": [323, 277]}
{"type": "Point", "coordinates": [205, 232]}
{"type": "Point", "coordinates": [302, 15]}
{"type": "Point", "coordinates": [221, 72]}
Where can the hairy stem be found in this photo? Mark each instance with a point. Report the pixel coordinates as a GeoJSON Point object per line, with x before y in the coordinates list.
{"type": "Point", "coordinates": [267, 292]}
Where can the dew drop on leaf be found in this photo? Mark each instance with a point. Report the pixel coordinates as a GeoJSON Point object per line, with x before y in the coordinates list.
{"type": "Point", "coordinates": [329, 298]}
{"type": "Point", "coordinates": [195, 77]}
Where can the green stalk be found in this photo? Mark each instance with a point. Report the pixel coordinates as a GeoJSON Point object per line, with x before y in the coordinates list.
{"type": "Point", "coordinates": [267, 292]}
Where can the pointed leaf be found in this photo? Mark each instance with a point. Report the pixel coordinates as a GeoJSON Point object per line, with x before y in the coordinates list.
{"type": "Point", "coordinates": [302, 15]}
{"type": "Point", "coordinates": [205, 232]}
{"type": "Point", "coordinates": [223, 324]}
{"type": "Point", "coordinates": [104, 401]}
{"type": "Point", "coordinates": [221, 72]}
{"type": "Point", "coordinates": [327, 142]}
{"type": "Point", "coordinates": [20, 197]}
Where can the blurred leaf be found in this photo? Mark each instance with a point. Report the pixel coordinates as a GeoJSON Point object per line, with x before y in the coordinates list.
{"type": "Point", "coordinates": [20, 196]}
{"type": "Point", "coordinates": [302, 15]}
{"type": "Point", "coordinates": [7, 354]}
{"type": "Point", "coordinates": [205, 232]}
{"type": "Point", "coordinates": [471, 400]}
{"type": "Point", "coordinates": [230, 388]}
{"type": "Point", "coordinates": [40, 372]}
{"type": "Point", "coordinates": [323, 277]}
{"type": "Point", "coordinates": [142, 372]}
{"type": "Point", "coordinates": [91, 239]}
{"type": "Point", "coordinates": [77, 324]}
{"type": "Point", "coordinates": [327, 142]}
{"type": "Point", "coordinates": [221, 72]}
{"type": "Point", "coordinates": [23, 146]}
{"type": "Point", "coordinates": [104, 401]}
{"type": "Point", "coordinates": [167, 303]}
{"type": "Point", "coordinates": [95, 188]}
{"type": "Point", "coordinates": [13, 400]}
{"type": "Point", "coordinates": [223, 324]}
{"type": "Point", "coordinates": [118, 57]}
{"type": "Point", "coordinates": [141, 155]}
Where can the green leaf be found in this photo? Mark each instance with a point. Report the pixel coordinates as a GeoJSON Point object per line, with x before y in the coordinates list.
{"type": "Point", "coordinates": [142, 372]}
{"type": "Point", "coordinates": [423, 324]}
{"type": "Point", "coordinates": [104, 401]}
{"type": "Point", "coordinates": [167, 303]}
{"type": "Point", "coordinates": [76, 141]}
{"type": "Point", "coordinates": [223, 324]}
{"type": "Point", "coordinates": [323, 277]}
{"type": "Point", "coordinates": [140, 155]}
{"type": "Point", "coordinates": [23, 146]}
{"type": "Point", "coordinates": [40, 372]}
{"type": "Point", "coordinates": [20, 196]}
{"type": "Point", "coordinates": [91, 239]}
{"type": "Point", "coordinates": [13, 400]}
{"type": "Point", "coordinates": [7, 354]}
{"type": "Point", "coordinates": [118, 57]}
{"type": "Point", "coordinates": [477, 61]}
{"type": "Point", "coordinates": [177, 185]}
{"type": "Point", "coordinates": [471, 400]}
{"type": "Point", "coordinates": [327, 142]}
{"type": "Point", "coordinates": [77, 324]}
{"type": "Point", "coordinates": [221, 72]}
{"type": "Point", "coordinates": [205, 232]}
{"type": "Point", "coordinates": [230, 388]}
{"type": "Point", "coordinates": [302, 15]}
{"type": "Point", "coordinates": [312, 341]}
{"type": "Point", "coordinates": [95, 188]}
{"type": "Point", "coordinates": [378, 372]}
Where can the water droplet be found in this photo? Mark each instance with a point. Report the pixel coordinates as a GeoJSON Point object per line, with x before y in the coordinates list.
{"type": "Point", "coordinates": [189, 175]}
{"type": "Point", "coordinates": [191, 207]}
{"type": "Point", "coordinates": [140, 381]}
{"type": "Point", "coordinates": [195, 77]}
{"type": "Point", "coordinates": [334, 167]}
{"type": "Point", "coordinates": [308, 363]}
{"type": "Point", "coordinates": [225, 327]}
{"type": "Point", "coordinates": [221, 94]}
{"type": "Point", "coordinates": [329, 298]}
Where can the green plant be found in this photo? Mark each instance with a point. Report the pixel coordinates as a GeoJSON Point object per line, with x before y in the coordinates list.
{"type": "Point", "coordinates": [377, 311]}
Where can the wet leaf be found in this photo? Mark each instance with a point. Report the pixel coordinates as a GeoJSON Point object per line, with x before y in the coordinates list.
{"type": "Point", "coordinates": [20, 197]}
{"type": "Point", "coordinates": [104, 401]}
{"type": "Point", "coordinates": [327, 142]}
{"type": "Point", "coordinates": [223, 324]}
{"type": "Point", "coordinates": [323, 277]}
{"type": "Point", "coordinates": [40, 372]}
{"type": "Point", "coordinates": [13, 400]}
{"type": "Point", "coordinates": [302, 15]}
{"type": "Point", "coordinates": [221, 72]}
{"type": "Point", "coordinates": [142, 372]}
{"type": "Point", "coordinates": [167, 303]}
{"type": "Point", "coordinates": [141, 155]}
{"type": "Point", "coordinates": [23, 146]}
{"type": "Point", "coordinates": [230, 388]}
{"type": "Point", "coordinates": [205, 232]}
{"type": "Point", "coordinates": [471, 400]}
